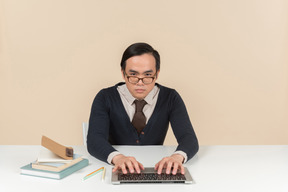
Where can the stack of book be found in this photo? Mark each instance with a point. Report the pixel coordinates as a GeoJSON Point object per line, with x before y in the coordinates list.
{"type": "Point", "coordinates": [50, 165]}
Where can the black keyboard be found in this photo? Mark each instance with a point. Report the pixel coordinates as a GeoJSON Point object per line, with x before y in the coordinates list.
{"type": "Point", "coordinates": [151, 178]}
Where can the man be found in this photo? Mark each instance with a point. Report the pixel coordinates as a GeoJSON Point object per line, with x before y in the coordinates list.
{"type": "Point", "coordinates": [138, 112]}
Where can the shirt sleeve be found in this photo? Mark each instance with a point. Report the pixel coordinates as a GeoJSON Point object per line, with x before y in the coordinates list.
{"type": "Point", "coordinates": [111, 156]}
{"type": "Point", "coordinates": [183, 154]}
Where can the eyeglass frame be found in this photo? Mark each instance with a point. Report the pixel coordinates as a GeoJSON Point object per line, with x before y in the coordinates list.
{"type": "Point", "coordinates": [153, 77]}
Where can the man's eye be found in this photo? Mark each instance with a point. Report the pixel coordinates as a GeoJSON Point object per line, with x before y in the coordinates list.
{"type": "Point", "coordinates": [132, 74]}
{"type": "Point", "coordinates": [148, 75]}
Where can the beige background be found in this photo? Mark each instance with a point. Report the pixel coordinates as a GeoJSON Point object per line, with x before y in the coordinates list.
{"type": "Point", "coordinates": [227, 58]}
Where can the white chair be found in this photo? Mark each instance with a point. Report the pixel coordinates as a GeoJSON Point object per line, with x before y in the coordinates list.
{"type": "Point", "coordinates": [85, 127]}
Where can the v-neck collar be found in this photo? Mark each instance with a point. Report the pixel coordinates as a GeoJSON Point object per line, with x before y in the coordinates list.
{"type": "Point", "coordinates": [154, 114]}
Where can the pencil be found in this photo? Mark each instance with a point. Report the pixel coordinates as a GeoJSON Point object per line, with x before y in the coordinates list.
{"type": "Point", "coordinates": [103, 174]}
{"type": "Point", "coordinates": [93, 173]}
{"type": "Point", "coordinates": [87, 177]}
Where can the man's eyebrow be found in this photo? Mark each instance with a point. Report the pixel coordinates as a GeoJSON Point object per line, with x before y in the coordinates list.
{"type": "Point", "coordinates": [133, 71]}
{"type": "Point", "coordinates": [149, 71]}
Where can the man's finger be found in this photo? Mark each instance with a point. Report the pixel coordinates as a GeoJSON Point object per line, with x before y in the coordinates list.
{"type": "Point", "coordinates": [136, 166]}
{"type": "Point", "coordinates": [156, 166]}
{"type": "Point", "coordinates": [141, 166]}
{"type": "Point", "coordinates": [169, 166]}
{"type": "Point", "coordinates": [161, 165]}
{"type": "Point", "coordinates": [115, 168]}
{"type": "Point", "coordinates": [175, 168]}
{"type": "Point", "coordinates": [123, 168]}
{"type": "Point", "coordinates": [182, 170]}
{"type": "Point", "coordinates": [130, 166]}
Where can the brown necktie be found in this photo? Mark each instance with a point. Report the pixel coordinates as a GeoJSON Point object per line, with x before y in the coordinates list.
{"type": "Point", "coordinates": [139, 119]}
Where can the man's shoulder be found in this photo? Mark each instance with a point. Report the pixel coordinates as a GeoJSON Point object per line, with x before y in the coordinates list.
{"type": "Point", "coordinates": [108, 92]}
{"type": "Point", "coordinates": [111, 88]}
{"type": "Point", "coordinates": [166, 90]}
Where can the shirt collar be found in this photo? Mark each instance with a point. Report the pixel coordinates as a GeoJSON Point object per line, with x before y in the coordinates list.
{"type": "Point", "coordinates": [128, 96]}
{"type": "Point", "coordinates": [150, 97]}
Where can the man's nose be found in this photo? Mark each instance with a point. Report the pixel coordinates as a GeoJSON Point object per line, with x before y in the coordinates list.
{"type": "Point", "coordinates": [140, 82]}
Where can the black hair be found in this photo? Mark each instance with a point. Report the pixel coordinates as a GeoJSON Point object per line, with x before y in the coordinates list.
{"type": "Point", "coordinates": [139, 49]}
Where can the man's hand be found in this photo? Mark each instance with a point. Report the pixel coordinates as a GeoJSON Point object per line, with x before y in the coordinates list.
{"type": "Point", "coordinates": [123, 162]}
{"type": "Point", "coordinates": [172, 163]}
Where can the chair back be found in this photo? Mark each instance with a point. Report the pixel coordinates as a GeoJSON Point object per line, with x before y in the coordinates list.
{"type": "Point", "coordinates": [85, 128]}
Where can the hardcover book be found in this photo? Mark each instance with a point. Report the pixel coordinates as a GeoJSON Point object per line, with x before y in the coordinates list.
{"type": "Point", "coordinates": [28, 170]}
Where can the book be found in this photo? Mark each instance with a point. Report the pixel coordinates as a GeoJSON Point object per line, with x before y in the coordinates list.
{"type": "Point", "coordinates": [28, 170]}
{"type": "Point", "coordinates": [56, 166]}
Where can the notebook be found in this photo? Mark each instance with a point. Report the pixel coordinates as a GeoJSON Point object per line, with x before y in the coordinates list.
{"type": "Point", "coordinates": [149, 175]}
{"type": "Point", "coordinates": [28, 170]}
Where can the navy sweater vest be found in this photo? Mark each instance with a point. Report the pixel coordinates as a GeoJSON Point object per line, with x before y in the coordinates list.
{"type": "Point", "coordinates": [110, 125]}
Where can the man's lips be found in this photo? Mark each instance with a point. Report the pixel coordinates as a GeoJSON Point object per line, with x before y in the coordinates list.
{"type": "Point", "coordinates": [139, 90]}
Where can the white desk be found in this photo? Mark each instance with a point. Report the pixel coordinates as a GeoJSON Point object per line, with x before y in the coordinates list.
{"type": "Point", "coordinates": [214, 168]}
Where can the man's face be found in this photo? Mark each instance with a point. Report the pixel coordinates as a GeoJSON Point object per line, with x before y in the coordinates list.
{"type": "Point", "coordinates": [140, 66]}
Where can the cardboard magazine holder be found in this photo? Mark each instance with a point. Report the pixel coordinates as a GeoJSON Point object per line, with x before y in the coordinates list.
{"type": "Point", "coordinates": [58, 149]}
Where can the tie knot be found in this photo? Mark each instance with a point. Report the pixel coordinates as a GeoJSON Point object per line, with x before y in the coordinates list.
{"type": "Point", "coordinates": [140, 105]}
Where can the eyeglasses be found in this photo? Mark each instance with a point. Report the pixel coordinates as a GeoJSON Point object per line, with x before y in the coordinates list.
{"type": "Point", "coordinates": [135, 80]}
